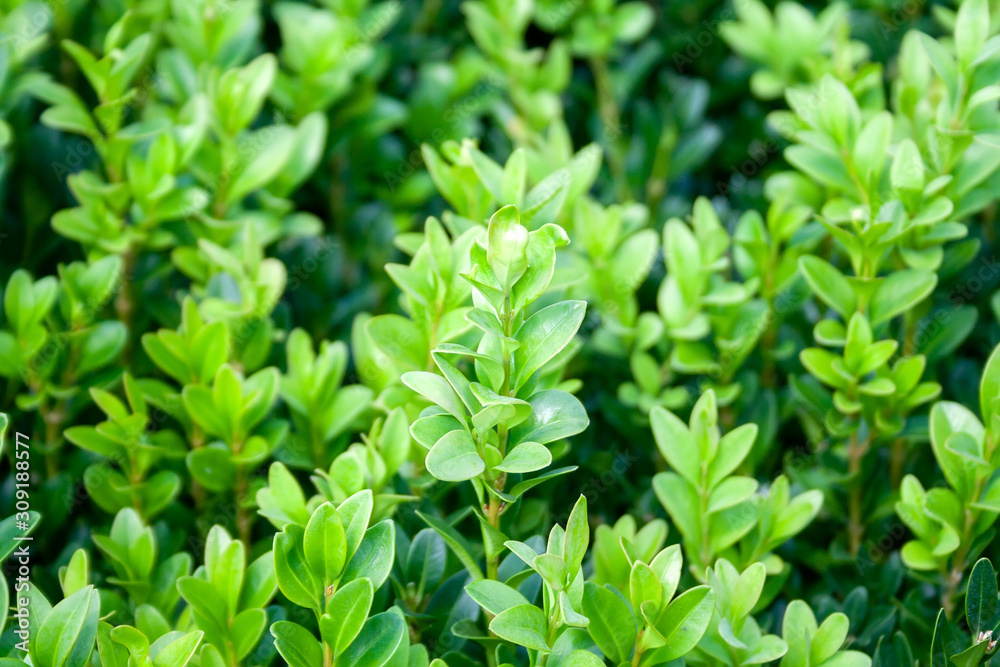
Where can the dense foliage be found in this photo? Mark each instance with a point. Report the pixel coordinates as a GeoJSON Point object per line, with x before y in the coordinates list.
{"type": "Point", "coordinates": [535, 332]}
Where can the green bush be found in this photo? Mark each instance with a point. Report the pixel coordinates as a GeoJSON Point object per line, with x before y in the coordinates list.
{"type": "Point", "coordinates": [559, 333]}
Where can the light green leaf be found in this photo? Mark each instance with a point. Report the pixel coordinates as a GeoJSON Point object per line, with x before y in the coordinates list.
{"type": "Point", "coordinates": [611, 623]}
{"type": "Point", "coordinates": [346, 613]}
{"type": "Point", "coordinates": [494, 596]}
{"type": "Point", "coordinates": [325, 544]}
{"type": "Point", "coordinates": [684, 621]}
{"type": "Point", "coordinates": [523, 625]}
{"type": "Point", "coordinates": [454, 458]}
{"type": "Point", "coordinates": [67, 635]}
{"type": "Point", "coordinates": [544, 335]}
{"type": "Point", "coordinates": [526, 457]}
{"type": "Point", "coordinates": [899, 292]}
{"type": "Point", "coordinates": [829, 285]}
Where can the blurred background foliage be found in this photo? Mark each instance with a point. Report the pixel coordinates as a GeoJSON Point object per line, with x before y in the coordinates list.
{"type": "Point", "coordinates": [379, 108]}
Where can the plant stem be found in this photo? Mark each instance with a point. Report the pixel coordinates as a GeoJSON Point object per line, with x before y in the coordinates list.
{"type": "Point", "coordinates": [953, 578]}
{"type": "Point", "coordinates": [727, 417]}
{"type": "Point", "coordinates": [705, 550]}
{"type": "Point", "coordinates": [897, 459]}
{"type": "Point", "coordinates": [769, 340]}
{"type": "Point", "coordinates": [197, 490]}
{"type": "Point", "coordinates": [316, 439]}
{"type": "Point", "coordinates": [493, 516]}
{"type": "Point", "coordinates": [640, 647]}
{"type": "Point", "coordinates": [428, 14]}
{"type": "Point", "coordinates": [611, 119]}
{"type": "Point", "coordinates": [11, 393]}
{"type": "Point", "coordinates": [124, 301]}
{"type": "Point", "coordinates": [244, 522]}
{"type": "Point", "coordinates": [910, 334]}
{"type": "Point", "coordinates": [56, 417]}
{"type": "Point", "coordinates": [550, 639]}
{"type": "Point", "coordinates": [658, 182]}
{"type": "Point", "coordinates": [53, 439]}
{"type": "Point", "coordinates": [135, 478]}
{"type": "Point", "coordinates": [856, 526]}
{"type": "Point", "coordinates": [495, 507]}
{"type": "Point", "coordinates": [337, 193]}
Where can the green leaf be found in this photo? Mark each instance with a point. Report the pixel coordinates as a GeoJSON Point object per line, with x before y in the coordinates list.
{"type": "Point", "coordinates": [893, 651]}
{"type": "Point", "coordinates": [325, 544]}
{"type": "Point", "coordinates": [310, 140]}
{"type": "Point", "coordinates": [899, 292]}
{"type": "Point", "coordinates": [940, 642]}
{"type": "Point", "coordinates": [541, 252]}
{"type": "Point", "coordinates": [554, 415]}
{"type": "Point", "coordinates": [981, 597]}
{"type": "Point", "coordinates": [684, 621]}
{"type": "Point", "coordinates": [683, 257]}
{"type": "Point", "coordinates": [226, 572]}
{"type": "Point", "coordinates": [295, 579]}
{"type": "Point", "coordinates": [296, 644]}
{"type": "Point", "coordinates": [748, 589]}
{"type": "Point", "coordinates": [400, 339]}
{"type": "Point", "coordinates": [795, 516]}
{"type": "Point", "coordinates": [828, 638]}
{"type": "Point", "coordinates": [525, 485]}
{"type": "Point", "coordinates": [730, 492]}
{"type": "Point", "coordinates": [676, 444]}
{"type": "Point", "coordinates": [259, 584]}
{"type": "Point", "coordinates": [70, 119]}
{"type": "Point", "coordinates": [268, 160]}
{"type": "Point", "coordinates": [436, 390]}
{"type": "Point", "coordinates": [67, 635]}
{"type": "Point", "coordinates": [821, 165]}
{"type": "Point", "coordinates": [577, 537]}
{"type": "Point", "coordinates": [543, 336]}
{"type": "Point", "coordinates": [454, 458]}
{"type": "Point", "coordinates": [611, 623]}
{"type": "Point", "coordinates": [526, 457]}
{"type": "Point", "coordinates": [829, 285]}
{"type": "Point", "coordinates": [380, 639]}
{"type": "Point", "coordinates": [102, 346]}
{"type": "Point", "coordinates": [494, 596]}
{"type": "Point", "coordinates": [178, 652]}
{"type": "Point", "coordinates": [111, 653]}
{"type": "Point", "coordinates": [373, 559]}
{"type": "Point", "coordinates": [132, 639]}
{"type": "Point", "coordinates": [507, 243]}
{"type": "Point", "coordinates": [907, 171]}
{"type": "Point", "coordinates": [523, 625]}
{"type": "Point", "coordinates": [581, 658]}
{"type": "Point", "coordinates": [455, 542]}
{"type": "Point", "coordinates": [733, 449]}
{"type": "Point", "coordinates": [972, 27]}
{"type": "Point", "coordinates": [213, 468]}
{"type": "Point", "coordinates": [286, 493]}
{"type": "Point", "coordinates": [972, 656]}
{"type": "Point", "coordinates": [645, 591]}
{"type": "Point", "coordinates": [513, 178]}
{"type": "Point", "coordinates": [346, 613]}
{"type": "Point", "coordinates": [823, 365]}
{"type": "Point", "coordinates": [989, 386]}
{"type": "Point", "coordinates": [798, 627]}
{"type": "Point", "coordinates": [75, 575]}
{"type": "Point", "coordinates": [355, 515]}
